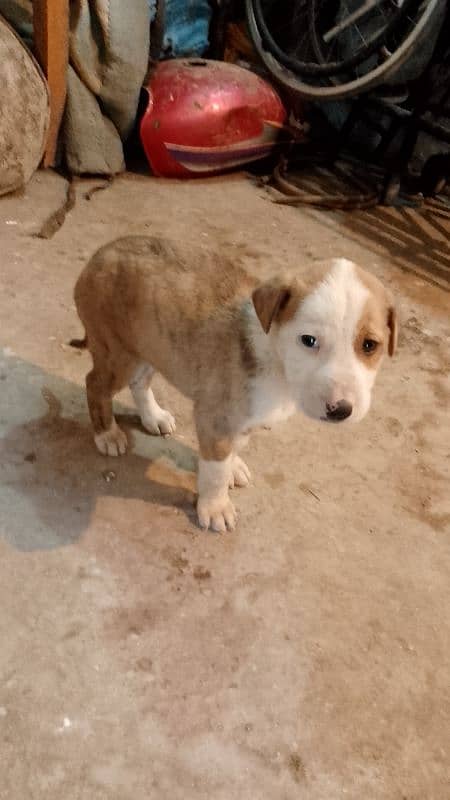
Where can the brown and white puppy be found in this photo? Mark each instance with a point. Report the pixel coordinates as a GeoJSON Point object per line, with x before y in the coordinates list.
{"type": "Point", "coordinates": [245, 353]}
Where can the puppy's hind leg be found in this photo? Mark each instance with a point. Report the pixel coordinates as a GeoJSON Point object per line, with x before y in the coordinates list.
{"type": "Point", "coordinates": [101, 384]}
{"type": "Point", "coordinates": [156, 419]}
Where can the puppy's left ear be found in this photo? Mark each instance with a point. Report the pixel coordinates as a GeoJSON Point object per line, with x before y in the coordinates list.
{"type": "Point", "coordinates": [392, 323]}
{"type": "Point", "coordinates": [269, 301]}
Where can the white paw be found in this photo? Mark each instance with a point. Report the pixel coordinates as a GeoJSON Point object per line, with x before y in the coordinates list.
{"type": "Point", "coordinates": [217, 514]}
{"type": "Point", "coordinates": [161, 423]}
{"type": "Point", "coordinates": [111, 443]}
{"type": "Point", "coordinates": [240, 473]}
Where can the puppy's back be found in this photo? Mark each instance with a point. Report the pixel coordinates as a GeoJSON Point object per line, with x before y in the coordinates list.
{"type": "Point", "coordinates": [196, 281]}
{"type": "Point", "coordinates": [164, 306]}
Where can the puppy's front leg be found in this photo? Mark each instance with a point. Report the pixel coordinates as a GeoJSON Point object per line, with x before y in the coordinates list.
{"type": "Point", "coordinates": [214, 507]}
{"type": "Point", "coordinates": [240, 473]}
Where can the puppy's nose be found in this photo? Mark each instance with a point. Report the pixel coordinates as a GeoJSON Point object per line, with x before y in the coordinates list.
{"type": "Point", "coordinates": [336, 412]}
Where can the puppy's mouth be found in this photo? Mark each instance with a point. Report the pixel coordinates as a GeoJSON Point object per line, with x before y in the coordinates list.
{"type": "Point", "coordinates": [345, 420]}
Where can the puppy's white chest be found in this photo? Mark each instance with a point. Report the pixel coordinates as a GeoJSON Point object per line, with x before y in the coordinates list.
{"type": "Point", "coordinates": [270, 401]}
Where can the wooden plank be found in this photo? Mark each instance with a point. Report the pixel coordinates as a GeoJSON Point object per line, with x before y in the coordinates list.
{"type": "Point", "coordinates": [51, 39]}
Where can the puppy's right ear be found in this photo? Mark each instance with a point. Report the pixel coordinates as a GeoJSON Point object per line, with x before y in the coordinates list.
{"type": "Point", "coordinates": [269, 301]}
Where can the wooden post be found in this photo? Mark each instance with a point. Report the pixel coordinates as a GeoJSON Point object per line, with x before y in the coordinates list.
{"type": "Point", "coordinates": [51, 39]}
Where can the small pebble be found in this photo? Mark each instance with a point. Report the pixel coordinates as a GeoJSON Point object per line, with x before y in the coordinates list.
{"type": "Point", "coordinates": [109, 475]}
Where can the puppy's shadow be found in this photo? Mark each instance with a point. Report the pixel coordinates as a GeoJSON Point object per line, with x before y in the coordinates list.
{"type": "Point", "coordinates": [52, 476]}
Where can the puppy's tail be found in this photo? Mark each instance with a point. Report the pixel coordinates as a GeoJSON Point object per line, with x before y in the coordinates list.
{"type": "Point", "coordinates": [80, 344]}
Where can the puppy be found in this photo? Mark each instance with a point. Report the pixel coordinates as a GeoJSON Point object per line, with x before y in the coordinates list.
{"type": "Point", "coordinates": [246, 353]}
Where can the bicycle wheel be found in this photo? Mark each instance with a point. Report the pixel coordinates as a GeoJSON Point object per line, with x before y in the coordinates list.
{"type": "Point", "coordinates": [307, 16]}
{"type": "Point", "coordinates": [371, 74]}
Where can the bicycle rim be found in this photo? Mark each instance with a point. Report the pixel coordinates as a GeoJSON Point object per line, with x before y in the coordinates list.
{"type": "Point", "coordinates": [353, 87]}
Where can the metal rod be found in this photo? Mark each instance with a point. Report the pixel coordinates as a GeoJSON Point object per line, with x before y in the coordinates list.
{"type": "Point", "coordinates": [345, 23]}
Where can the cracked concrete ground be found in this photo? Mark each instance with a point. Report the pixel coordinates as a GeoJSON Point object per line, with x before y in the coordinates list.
{"type": "Point", "coordinates": [303, 657]}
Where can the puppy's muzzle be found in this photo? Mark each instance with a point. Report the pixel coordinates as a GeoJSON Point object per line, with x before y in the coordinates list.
{"type": "Point", "coordinates": [337, 412]}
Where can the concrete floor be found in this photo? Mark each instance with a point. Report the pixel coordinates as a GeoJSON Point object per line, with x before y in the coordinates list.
{"type": "Point", "coordinates": [304, 657]}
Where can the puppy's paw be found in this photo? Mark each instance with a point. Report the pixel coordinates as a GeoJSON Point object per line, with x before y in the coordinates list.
{"type": "Point", "coordinates": [217, 514]}
{"type": "Point", "coordinates": [161, 423]}
{"type": "Point", "coordinates": [112, 442]}
{"type": "Point", "coordinates": [240, 473]}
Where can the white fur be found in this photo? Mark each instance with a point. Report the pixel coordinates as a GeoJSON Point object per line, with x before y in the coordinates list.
{"type": "Point", "coordinates": [240, 473]}
{"type": "Point", "coordinates": [305, 379]}
{"type": "Point", "coordinates": [156, 419]}
{"type": "Point", "coordinates": [213, 477]}
{"type": "Point", "coordinates": [214, 508]}
{"type": "Point", "coordinates": [332, 371]}
{"type": "Point", "coordinates": [271, 398]}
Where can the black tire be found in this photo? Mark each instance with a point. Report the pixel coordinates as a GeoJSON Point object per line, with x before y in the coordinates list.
{"type": "Point", "coordinates": [323, 69]}
{"type": "Point", "coordinates": [354, 86]}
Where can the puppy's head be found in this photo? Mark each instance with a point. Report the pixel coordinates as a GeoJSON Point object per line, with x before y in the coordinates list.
{"type": "Point", "coordinates": [331, 338]}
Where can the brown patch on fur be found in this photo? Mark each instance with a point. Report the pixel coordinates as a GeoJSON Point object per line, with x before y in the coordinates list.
{"type": "Point", "coordinates": [269, 301]}
{"type": "Point", "coordinates": [277, 302]}
{"type": "Point", "coordinates": [297, 292]}
{"type": "Point", "coordinates": [212, 448]}
{"type": "Point", "coordinates": [379, 315]}
{"type": "Point", "coordinates": [371, 325]}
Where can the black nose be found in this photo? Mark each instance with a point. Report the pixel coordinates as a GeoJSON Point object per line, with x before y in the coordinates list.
{"type": "Point", "coordinates": [336, 412]}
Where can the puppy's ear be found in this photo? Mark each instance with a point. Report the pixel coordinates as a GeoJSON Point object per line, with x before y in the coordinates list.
{"type": "Point", "coordinates": [269, 301]}
{"type": "Point", "coordinates": [392, 323]}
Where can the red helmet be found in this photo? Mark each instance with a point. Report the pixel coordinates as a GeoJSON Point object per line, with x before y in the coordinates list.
{"type": "Point", "coordinates": [208, 116]}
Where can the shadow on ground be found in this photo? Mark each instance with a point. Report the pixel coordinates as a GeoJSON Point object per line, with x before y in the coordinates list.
{"type": "Point", "coordinates": [415, 239]}
{"type": "Point", "coordinates": [51, 476]}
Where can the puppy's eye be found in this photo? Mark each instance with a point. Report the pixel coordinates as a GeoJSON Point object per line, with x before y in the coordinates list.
{"type": "Point", "coordinates": [369, 346]}
{"type": "Point", "coordinates": [308, 341]}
